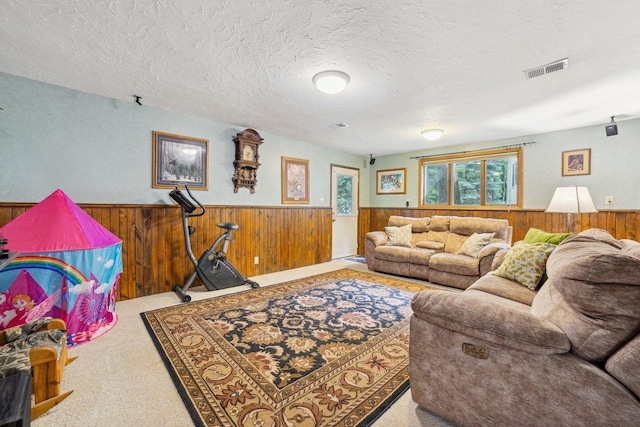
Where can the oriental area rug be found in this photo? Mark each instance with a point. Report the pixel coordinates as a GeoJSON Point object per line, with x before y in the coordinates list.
{"type": "Point", "coordinates": [326, 350]}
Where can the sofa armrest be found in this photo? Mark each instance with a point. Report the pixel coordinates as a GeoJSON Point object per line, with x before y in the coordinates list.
{"type": "Point", "coordinates": [491, 249]}
{"type": "Point", "coordinates": [495, 320]}
{"type": "Point", "coordinates": [377, 237]}
{"type": "Point", "coordinates": [487, 255]}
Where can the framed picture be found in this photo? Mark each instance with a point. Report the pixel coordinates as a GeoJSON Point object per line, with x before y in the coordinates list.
{"type": "Point", "coordinates": [295, 181]}
{"type": "Point", "coordinates": [576, 162]}
{"type": "Point", "coordinates": [179, 160]}
{"type": "Point", "coordinates": [391, 181]}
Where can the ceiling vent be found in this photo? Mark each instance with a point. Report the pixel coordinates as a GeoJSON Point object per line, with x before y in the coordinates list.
{"type": "Point", "coordinates": [546, 69]}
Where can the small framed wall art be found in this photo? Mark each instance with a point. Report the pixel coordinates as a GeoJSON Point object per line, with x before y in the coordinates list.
{"type": "Point", "coordinates": [576, 162]}
{"type": "Point", "coordinates": [295, 181]}
{"type": "Point", "coordinates": [179, 160]}
{"type": "Point", "coordinates": [391, 181]}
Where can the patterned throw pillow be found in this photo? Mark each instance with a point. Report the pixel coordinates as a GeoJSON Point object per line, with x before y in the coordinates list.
{"type": "Point", "coordinates": [525, 263]}
{"type": "Point", "coordinates": [474, 243]}
{"type": "Point", "coordinates": [399, 236]}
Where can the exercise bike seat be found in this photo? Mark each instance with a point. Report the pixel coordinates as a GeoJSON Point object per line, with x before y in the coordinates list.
{"type": "Point", "coordinates": [228, 225]}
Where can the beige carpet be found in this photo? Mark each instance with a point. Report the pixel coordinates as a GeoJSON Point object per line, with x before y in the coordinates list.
{"type": "Point", "coordinates": [120, 380]}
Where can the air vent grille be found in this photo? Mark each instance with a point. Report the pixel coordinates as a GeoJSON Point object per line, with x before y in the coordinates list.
{"type": "Point", "coordinates": [546, 69]}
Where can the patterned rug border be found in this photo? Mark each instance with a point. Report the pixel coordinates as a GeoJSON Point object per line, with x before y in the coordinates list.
{"type": "Point", "coordinates": [396, 282]}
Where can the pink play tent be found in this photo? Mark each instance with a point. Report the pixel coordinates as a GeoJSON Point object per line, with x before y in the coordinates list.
{"type": "Point", "coordinates": [68, 267]}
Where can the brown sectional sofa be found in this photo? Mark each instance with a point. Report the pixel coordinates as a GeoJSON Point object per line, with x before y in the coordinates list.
{"type": "Point", "coordinates": [501, 354]}
{"type": "Point", "coordinates": [435, 243]}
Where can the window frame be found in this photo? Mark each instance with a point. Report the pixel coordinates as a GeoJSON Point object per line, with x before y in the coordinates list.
{"type": "Point", "coordinates": [483, 156]}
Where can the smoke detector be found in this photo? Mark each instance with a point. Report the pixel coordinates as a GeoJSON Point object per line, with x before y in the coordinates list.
{"type": "Point", "coordinates": [341, 125]}
{"type": "Point", "coordinates": [546, 69]}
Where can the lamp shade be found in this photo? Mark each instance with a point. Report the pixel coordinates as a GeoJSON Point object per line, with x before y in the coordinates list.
{"type": "Point", "coordinates": [571, 200]}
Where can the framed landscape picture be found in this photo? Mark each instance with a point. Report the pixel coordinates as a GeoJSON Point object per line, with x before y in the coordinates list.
{"type": "Point", "coordinates": [180, 160]}
{"type": "Point", "coordinates": [295, 181]}
{"type": "Point", "coordinates": [576, 162]}
{"type": "Point", "coordinates": [391, 181]}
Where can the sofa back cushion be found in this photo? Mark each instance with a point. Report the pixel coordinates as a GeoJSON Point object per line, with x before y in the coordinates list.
{"type": "Point", "coordinates": [418, 225]}
{"type": "Point", "coordinates": [461, 228]}
{"type": "Point", "coordinates": [468, 225]}
{"type": "Point", "coordinates": [439, 223]}
{"type": "Point", "coordinates": [593, 293]}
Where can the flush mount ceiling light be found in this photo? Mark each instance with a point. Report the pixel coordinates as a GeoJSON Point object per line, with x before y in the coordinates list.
{"type": "Point", "coordinates": [331, 81]}
{"type": "Point", "coordinates": [432, 134]}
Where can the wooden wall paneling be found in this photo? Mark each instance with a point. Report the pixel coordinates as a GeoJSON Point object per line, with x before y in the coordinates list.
{"type": "Point", "coordinates": [154, 257]}
{"type": "Point", "coordinates": [178, 255]}
{"type": "Point", "coordinates": [244, 249]}
{"type": "Point", "coordinates": [311, 246]}
{"type": "Point", "coordinates": [126, 233]}
{"type": "Point", "coordinates": [632, 226]}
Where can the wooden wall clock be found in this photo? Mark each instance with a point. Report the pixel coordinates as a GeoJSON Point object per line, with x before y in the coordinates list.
{"type": "Point", "coordinates": [246, 160]}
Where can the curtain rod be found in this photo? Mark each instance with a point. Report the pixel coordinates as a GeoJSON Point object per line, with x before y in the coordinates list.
{"type": "Point", "coordinates": [522, 144]}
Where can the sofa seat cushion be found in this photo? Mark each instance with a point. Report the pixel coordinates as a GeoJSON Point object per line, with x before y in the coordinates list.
{"type": "Point", "coordinates": [454, 263]}
{"type": "Point", "coordinates": [393, 253]}
{"type": "Point", "coordinates": [490, 318]}
{"type": "Point", "coordinates": [505, 288]}
{"type": "Point", "coordinates": [593, 294]}
{"type": "Point", "coordinates": [625, 365]}
{"type": "Point", "coordinates": [420, 256]}
{"type": "Point", "coordinates": [428, 244]}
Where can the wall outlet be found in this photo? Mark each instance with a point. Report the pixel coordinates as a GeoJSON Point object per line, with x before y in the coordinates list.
{"type": "Point", "coordinates": [608, 200]}
{"type": "Point", "coordinates": [256, 260]}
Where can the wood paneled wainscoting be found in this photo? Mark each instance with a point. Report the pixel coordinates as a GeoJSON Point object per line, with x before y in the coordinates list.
{"type": "Point", "coordinates": [621, 224]}
{"type": "Point", "coordinates": [154, 256]}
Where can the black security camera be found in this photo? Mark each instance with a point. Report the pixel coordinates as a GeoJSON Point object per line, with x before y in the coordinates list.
{"type": "Point", "coordinates": [611, 128]}
{"type": "Point", "coordinates": [371, 160]}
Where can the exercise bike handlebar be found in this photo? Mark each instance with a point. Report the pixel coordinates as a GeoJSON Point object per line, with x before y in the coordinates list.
{"type": "Point", "coordinates": [185, 204]}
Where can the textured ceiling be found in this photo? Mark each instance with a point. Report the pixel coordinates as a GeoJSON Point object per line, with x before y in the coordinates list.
{"type": "Point", "coordinates": [454, 64]}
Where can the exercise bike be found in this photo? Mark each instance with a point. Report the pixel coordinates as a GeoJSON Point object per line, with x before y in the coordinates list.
{"type": "Point", "coordinates": [213, 268]}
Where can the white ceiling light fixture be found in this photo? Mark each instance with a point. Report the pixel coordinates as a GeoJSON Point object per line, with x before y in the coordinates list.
{"type": "Point", "coordinates": [432, 134]}
{"type": "Point", "coordinates": [331, 81]}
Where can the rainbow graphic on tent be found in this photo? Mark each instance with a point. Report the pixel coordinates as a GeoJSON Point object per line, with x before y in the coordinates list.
{"type": "Point", "coordinates": [48, 263]}
{"type": "Point", "coordinates": [68, 267]}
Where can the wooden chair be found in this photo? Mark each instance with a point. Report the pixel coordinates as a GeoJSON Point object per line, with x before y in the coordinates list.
{"type": "Point", "coordinates": [46, 370]}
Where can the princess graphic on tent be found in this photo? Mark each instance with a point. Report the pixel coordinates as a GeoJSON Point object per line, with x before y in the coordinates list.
{"type": "Point", "coordinates": [22, 304]}
{"type": "Point", "coordinates": [7, 311]}
{"type": "Point", "coordinates": [23, 309]}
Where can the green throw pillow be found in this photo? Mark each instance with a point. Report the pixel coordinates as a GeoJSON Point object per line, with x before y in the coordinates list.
{"type": "Point", "coordinates": [399, 236]}
{"type": "Point", "coordinates": [474, 243]}
{"type": "Point", "coordinates": [535, 235]}
{"type": "Point", "coordinates": [525, 263]}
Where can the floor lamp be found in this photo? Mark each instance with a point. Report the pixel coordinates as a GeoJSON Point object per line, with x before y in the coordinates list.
{"type": "Point", "coordinates": [571, 200]}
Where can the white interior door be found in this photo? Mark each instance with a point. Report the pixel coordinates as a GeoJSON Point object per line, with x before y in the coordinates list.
{"type": "Point", "coordinates": [344, 206]}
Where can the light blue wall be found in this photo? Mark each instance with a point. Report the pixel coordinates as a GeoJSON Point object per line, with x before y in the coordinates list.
{"type": "Point", "coordinates": [99, 150]}
{"type": "Point", "coordinates": [615, 166]}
